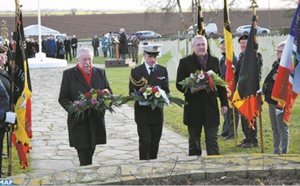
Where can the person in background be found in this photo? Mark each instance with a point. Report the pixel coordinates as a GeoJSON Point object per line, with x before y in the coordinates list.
{"type": "Point", "coordinates": [60, 49]}
{"type": "Point", "coordinates": [105, 44]}
{"type": "Point", "coordinates": [250, 139]}
{"type": "Point", "coordinates": [67, 43]}
{"type": "Point", "coordinates": [281, 135]}
{"type": "Point", "coordinates": [135, 48]}
{"type": "Point", "coordinates": [84, 133]}
{"type": "Point", "coordinates": [149, 122]}
{"type": "Point", "coordinates": [202, 109]}
{"type": "Point", "coordinates": [123, 47]}
{"type": "Point", "coordinates": [50, 46]}
{"type": "Point", "coordinates": [228, 130]}
{"type": "Point", "coordinates": [6, 116]}
{"type": "Point", "coordinates": [95, 44]}
{"type": "Point", "coordinates": [74, 42]}
{"type": "Point", "coordinates": [43, 44]}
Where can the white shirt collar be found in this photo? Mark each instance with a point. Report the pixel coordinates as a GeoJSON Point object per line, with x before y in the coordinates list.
{"type": "Point", "coordinates": [147, 67]}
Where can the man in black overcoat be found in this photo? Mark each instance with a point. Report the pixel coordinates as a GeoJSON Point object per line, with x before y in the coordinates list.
{"type": "Point", "coordinates": [86, 133]}
{"type": "Point", "coordinates": [202, 109]}
{"type": "Point", "coordinates": [149, 122]}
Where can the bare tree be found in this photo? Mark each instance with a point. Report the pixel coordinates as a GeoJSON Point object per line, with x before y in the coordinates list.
{"type": "Point", "coordinates": [166, 6]}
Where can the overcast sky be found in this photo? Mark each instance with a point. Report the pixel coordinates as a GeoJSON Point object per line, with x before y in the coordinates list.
{"type": "Point", "coordinates": [115, 4]}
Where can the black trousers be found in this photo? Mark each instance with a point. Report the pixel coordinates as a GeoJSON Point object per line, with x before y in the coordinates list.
{"type": "Point", "coordinates": [85, 156]}
{"type": "Point", "coordinates": [211, 140]}
{"type": "Point", "coordinates": [2, 134]}
{"type": "Point", "coordinates": [149, 137]}
{"type": "Point", "coordinates": [250, 134]}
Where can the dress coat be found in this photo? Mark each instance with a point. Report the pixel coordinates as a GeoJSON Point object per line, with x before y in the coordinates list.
{"type": "Point", "coordinates": [144, 114]}
{"type": "Point", "coordinates": [202, 107]}
{"type": "Point", "coordinates": [90, 131]}
{"type": "Point", "coordinates": [123, 47]}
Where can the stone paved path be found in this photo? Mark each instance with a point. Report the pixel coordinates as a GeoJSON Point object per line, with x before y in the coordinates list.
{"type": "Point", "coordinates": [50, 144]}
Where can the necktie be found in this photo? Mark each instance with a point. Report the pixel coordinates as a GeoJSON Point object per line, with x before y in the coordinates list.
{"type": "Point", "coordinates": [151, 71]}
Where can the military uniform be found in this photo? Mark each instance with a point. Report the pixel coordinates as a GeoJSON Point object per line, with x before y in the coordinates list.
{"type": "Point", "coordinates": [135, 49]}
{"type": "Point", "coordinates": [149, 122]}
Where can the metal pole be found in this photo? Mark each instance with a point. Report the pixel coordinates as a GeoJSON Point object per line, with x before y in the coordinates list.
{"type": "Point", "coordinates": [39, 23]}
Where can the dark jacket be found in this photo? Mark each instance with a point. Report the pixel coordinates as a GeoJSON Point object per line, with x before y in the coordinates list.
{"type": "Point", "coordinates": [223, 64]}
{"type": "Point", "coordinates": [90, 131]}
{"type": "Point", "coordinates": [95, 42]}
{"type": "Point", "coordinates": [67, 43]}
{"type": "Point", "coordinates": [202, 108]}
{"type": "Point", "coordinates": [74, 42]}
{"type": "Point", "coordinates": [269, 83]}
{"type": "Point", "coordinates": [123, 47]}
{"type": "Point", "coordinates": [4, 96]}
{"type": "Point", "coordinates": [239, 65]}
{"type": "Point", "coordinates": [160, 78]}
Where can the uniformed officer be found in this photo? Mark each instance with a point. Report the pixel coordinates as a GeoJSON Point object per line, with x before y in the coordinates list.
{"type": "Point", "coordinates": [149, 122]}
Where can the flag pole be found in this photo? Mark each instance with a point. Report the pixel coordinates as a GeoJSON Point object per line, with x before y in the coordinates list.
{"type": "Point", "coordinates": [254, 6]}
{"type": "Point", "coordinates": [13, 71]}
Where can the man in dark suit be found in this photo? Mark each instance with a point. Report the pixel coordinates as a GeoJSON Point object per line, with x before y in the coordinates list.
{"type": "Point", "coordinates": [86, 133]}
{"type": "Point", "coordinates": [149, 122]}
{"type": "Point", "coordinates": [202, 109]}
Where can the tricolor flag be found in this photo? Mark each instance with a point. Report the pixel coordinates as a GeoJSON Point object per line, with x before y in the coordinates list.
{"type": "Point", "coordinates": [287, 83]}
{"type": "Point", "coordinates": [245, 98]}
{"type": "Point", "coordinates": [229, 76]}
{"type": "Point", "coordinates": [22, 133]}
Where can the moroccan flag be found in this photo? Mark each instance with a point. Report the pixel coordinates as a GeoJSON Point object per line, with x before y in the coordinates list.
{"type": "Point", "coordinates": [22, 133]}
{"type": "Point", "coordinates": [287, 83]}
{"type": "Point", "coordinates": [245, 98]}
{"type": "Point", "coordinates": [229, 76]}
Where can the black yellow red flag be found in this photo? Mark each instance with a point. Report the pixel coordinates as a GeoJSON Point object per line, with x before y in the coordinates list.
{"type": "Point", "coordinates": [229, 76]}
{"type": "Point", "coordinates": [22, 133]}
{"type": "Point", "coordinates": [245, 97]}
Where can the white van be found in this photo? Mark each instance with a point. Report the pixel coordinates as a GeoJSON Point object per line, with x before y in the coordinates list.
{"type": "Point", "coordinates": [211, 29]}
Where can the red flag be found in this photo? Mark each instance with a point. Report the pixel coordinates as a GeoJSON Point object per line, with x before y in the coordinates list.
{"type": "Point", "coordinates": [287, 83]}
{"type": "Point", "coordinates": [22, 133]}
{"type": "Point", "coordinates": [229, 76]}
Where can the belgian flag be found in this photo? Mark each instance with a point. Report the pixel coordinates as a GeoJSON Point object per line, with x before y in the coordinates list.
{"type": "Point", "coordinates": [245, 98]}
{"type": "Point", "coordinates": [229, 76]}
{"type": "Point", "coordinates": [22, 133]}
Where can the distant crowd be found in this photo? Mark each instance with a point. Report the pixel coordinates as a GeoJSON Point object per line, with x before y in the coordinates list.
{"type": "Point", "coordinates": [113, 45]}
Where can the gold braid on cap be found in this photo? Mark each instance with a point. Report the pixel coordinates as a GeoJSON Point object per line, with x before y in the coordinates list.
{"type": "Point", "coordinates": [142, 82]}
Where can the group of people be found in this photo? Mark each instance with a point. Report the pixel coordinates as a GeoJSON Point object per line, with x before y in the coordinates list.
{"type": "Point", "coordinates": [128, 45]}
{"type": "Point", "coordinates": [279, 128]}
{"type": "Point", "coordinates": [61, 49]}
{"type": "Point", "coordinates": [201, 112]}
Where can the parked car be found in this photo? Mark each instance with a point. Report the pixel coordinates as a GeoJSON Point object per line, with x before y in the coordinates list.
{"type": "Point", "coordinates": [245, 30]}
{"type": "Point", "coordinates": [147, 34]}
{"type": "Point", "coordinates": [211, 29]}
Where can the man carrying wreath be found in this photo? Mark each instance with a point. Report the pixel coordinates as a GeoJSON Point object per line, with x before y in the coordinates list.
{"type": "Point", "coordinates": [149, 121]}
{"type": "Point", "coordinates": [202, 109]}
{"type": "Point", "coordinates": [88, 131]}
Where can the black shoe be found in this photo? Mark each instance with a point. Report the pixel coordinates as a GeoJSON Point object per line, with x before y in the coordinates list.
{"type": "Point", "coordinates": [250, 144]}
{"type": "Point", "coordinates": [241, 144]}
